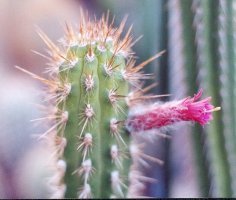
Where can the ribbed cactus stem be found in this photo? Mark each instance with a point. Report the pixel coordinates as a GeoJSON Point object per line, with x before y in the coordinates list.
{"type": "Point", "coordinates": [88, 91]}
{"type": "Point", "coordinates": [94, 109]}
{"type": "Point", "coordinates": [227, 67]}
{"type": "Point", "coordinates": [206, 24]}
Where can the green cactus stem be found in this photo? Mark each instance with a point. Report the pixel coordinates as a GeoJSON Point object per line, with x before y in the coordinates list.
{"type": "Point", "coordinates": [88, 91]}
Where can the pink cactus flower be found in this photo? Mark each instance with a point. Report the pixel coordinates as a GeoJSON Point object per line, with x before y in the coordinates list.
{"type": "Point", "coordinates": [160, 115]}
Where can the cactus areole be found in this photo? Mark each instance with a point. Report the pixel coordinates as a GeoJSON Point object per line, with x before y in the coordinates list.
{"type": "Point", "coordinates": [93, 82]}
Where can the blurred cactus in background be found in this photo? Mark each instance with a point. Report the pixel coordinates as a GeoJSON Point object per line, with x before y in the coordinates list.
{"type": "Point", "coordinates": [199, 39]}
{"type": "Point", "coordinates": [203, 51]}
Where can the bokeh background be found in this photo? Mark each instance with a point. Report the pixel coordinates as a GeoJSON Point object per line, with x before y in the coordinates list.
{"type": "Point", "coordinates": [199, 39]}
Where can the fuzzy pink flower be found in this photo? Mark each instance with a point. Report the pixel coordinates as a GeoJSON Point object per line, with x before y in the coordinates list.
{"type": "Point", "coordinates": [157, 116]}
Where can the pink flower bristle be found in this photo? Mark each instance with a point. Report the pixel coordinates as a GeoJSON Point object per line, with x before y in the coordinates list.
{"type": "Point", "coordinates": [160, 115]}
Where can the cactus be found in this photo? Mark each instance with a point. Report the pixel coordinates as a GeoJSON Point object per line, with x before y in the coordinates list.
{"type": "Point", "coordinates": [93, 82]}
